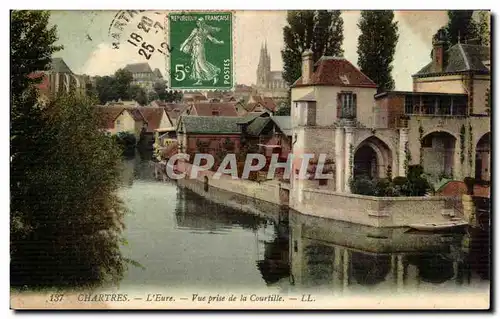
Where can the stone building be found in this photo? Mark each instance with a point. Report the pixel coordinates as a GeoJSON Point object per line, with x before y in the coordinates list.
{"type": "Point", "coordinates": [332, 114]}
{"type": "Point", "coordinates": [143, 75]}
{"type": "Point", "coordinates": [447, 115]}
{"type": "Point", "coordinates": [269, 83]}
{"type": "Point", "coordinates": [443, 124]}
{"type": "Point", "coordinates": [60, 79]}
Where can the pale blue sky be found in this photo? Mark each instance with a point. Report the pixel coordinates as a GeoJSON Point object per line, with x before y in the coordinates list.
{"type": "Point", "coordinates": [251, 29]}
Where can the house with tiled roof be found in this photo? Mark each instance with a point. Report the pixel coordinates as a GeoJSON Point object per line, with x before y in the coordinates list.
{"type": "Point", "coordinates": [115, 120]}
{"type": "Point", "coordinates": [174, 110]}
{"type": "Point", "coordinates": [258, 103]}
{"type": "Point", "coordinates": [212, 109]}
{"type": "Point", "coordinates": [208, 134]}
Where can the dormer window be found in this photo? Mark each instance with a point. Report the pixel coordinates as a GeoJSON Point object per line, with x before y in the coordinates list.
{"type": "Point", "coordinates": [344, 79]}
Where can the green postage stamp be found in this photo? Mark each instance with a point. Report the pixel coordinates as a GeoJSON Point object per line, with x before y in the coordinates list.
{"type": "Point", "coordinates": [202, 50]}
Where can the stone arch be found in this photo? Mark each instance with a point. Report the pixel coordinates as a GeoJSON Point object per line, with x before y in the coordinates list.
{"type": "Point", "coordinates": [368, 269]}
{"type": "Point", "coordinates": [483, 157]}
{"type": "Point", "coordinates": [438, 153]}
{"type": "Point", "coordinates": [373, 154]}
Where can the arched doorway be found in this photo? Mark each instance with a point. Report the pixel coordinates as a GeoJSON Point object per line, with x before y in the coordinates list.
{"type": "Point", "coordinates": [438, 154]}
{"type": "Point", "coordinates": [372, 158]}
{"type": "Point", "coordinates": [483, 158]}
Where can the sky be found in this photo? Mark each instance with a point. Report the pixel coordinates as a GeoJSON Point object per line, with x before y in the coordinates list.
{"type": "Point", "coordinates": [88, 46]}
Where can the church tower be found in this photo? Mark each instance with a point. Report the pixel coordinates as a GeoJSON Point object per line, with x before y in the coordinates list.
{"type": "Point", "coordinates": [264, 67]}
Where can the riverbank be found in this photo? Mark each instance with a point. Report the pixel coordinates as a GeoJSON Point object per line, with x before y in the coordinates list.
{"type": "Point", "coordinates": [250, 196]}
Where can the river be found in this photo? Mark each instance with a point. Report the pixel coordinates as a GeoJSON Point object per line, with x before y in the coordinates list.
{"type": "Point", "coordinates": [185, 242]}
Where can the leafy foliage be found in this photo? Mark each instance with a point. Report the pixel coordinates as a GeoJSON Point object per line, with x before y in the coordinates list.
{"type": "Point", "coordinates": [65, 213]}
{"type": "Point", "coordinates": [166, 95]}
{"type": "Point", "coordinates": [415, 184]}
{"type": "Point", "coordinates": [125, 139]}
{"type": "Point", "coordinates": [318, 30]}
{"type": "Point", "coordinates": [462, 27]}
{"type": "Point", "coordinates": [377, 45]}
{"type": "Point", "coordinates": [139, 95]}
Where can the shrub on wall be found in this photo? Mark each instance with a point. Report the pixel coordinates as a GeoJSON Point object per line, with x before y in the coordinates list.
{"type": "Point", "coordinates": [362, 185]}
{"type": "Point", "coordinates": [415, 184]}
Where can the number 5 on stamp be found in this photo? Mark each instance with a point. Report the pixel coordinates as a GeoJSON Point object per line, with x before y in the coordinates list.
{"type": "Point", "coordinates": [202, 55]}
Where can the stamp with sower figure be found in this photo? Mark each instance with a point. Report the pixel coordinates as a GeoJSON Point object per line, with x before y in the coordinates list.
{"type": "Point", "coordinates": [202, 55]}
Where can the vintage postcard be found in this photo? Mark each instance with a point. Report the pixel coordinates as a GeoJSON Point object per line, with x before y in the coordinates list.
{"type": "Point", "coordinates": [229, 159]}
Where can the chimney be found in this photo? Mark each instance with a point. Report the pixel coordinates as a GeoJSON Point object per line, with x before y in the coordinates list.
{"type": "Point", "coordinates": [438, 47]}
{"type": "Point", "coordinates": [307, 66]}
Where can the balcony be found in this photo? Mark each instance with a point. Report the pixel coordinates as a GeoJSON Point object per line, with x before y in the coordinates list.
{"type": "Point", "coordinates": [435, 104]}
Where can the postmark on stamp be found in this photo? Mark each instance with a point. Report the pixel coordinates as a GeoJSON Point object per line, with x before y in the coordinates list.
{"type": "Point", "coordinates": [202, 55]}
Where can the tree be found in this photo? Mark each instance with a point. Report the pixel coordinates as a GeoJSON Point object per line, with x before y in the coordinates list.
{"type": "Point", "coordinates": [106, 89]}
{"type": "Point", "coordinates": [152, 96]}
{"type": "Point", "coordinates": [318, 30]}
{"type": "Point", "coordinates": [377, 45]}
{"type": "Point", "coordinates": [160, 87]}
{"type": "Point", "coordinates": [461, 26]}
{"type": "Point", "coordinates": [483, 28]}
{"type": "Point", "coordinates": [138, 94]}
{"type": "Point", "coordinates": [123, 78]}
{"type": "Point", "coordinates": [66, 217]}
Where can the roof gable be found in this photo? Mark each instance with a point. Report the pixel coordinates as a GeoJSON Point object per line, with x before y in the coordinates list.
{"type": "Point", "coordinates": [58, 65]}
{"type": "Point", "coordinates": [335, 71]}
{"type": "Point", "coordinates": [461, 58]}
{"type": "Point", "coordinates": [138, 68]}
{"type": "Point", "coordinates": [153, 116]}
{"type": "Point", "coordinates": [108, 115]}
{"type": "Point", "coordinates": [209, 109]}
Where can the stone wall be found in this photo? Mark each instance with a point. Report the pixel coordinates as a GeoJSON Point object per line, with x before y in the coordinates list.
{"type": "Point", "coordinates": [265, 191]}
{"type": "Point", "coordinates": [375, 211]}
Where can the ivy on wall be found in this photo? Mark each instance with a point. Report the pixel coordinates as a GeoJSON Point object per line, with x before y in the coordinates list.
{"type": "Point", "coordinates": [470, 145]}
{"type": "Point", "coordinates": [407, 157]}
{"type": "Point", "coordinates": [351, 160]}
{"type": "Point", "coordinates": [421, 139]}
{"type": "Point", "coordinates": [462, 144]}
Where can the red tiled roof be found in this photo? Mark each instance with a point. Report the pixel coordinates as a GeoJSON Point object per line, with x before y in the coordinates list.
{"type": "Point", "coordinates": [153, 116]}
{"type": "Point", "coordinates": [337, 72]}
{"type": "Point", "coordinates": [206, 109]}
{"type": "Point", "coordinates": [136, 114]}
{"type": "Point", "coordinates": [108, 115]}
{"type": "Point", "coordinates": [269, 104]}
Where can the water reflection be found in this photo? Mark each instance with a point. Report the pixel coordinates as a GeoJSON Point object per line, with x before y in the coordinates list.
{"type": "Point", "coordinates": [185, 240]}
{"type": "Point", "coordinates": [333, 255]}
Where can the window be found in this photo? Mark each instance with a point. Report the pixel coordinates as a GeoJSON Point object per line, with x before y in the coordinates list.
{"type": "Point", "coordinates": [408, 104]}
{"type": "Point", "coordinates": [215, 112]}
{"type": "Point", "coordinates": [118, 124]}
{"type": "Point", "coordinates": [346, 105]}
{"type": "Point", "coordinates": [323, 182]}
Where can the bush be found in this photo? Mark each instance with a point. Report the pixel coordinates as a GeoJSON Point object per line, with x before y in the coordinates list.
{"type": "Point", "coordinates": [362, 185]}
{"type": "Point", "coordinates": [419, 186]}
{"type": "Point", "coordinates": [382, 187]}
{"type": "Point", "coordinates": [126, 140]}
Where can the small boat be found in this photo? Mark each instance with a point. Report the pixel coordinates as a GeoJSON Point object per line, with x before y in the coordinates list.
{"type": "Point", "coordinates": [439, 226]}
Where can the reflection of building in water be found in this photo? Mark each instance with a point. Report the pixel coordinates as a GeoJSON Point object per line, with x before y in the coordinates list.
{"type": "Point", "coordinates": [328, 254]}
{"type": "Point", "coordinates": [271, 236]}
